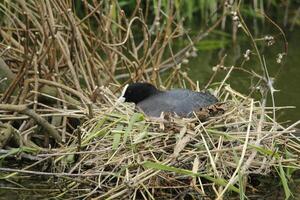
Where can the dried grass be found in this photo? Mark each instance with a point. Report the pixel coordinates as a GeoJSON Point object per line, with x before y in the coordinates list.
{"type": "Point", "coordinates": [59, 73]}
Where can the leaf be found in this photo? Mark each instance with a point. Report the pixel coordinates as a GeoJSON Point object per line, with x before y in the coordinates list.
{"type": "Point", "coordinates": [141, 135]}
{"type": "Point", "coordinates": [135, 118]}
{"type": "Point", "coordinates": [159, 166]}
{"type": "Point", "coordinates": [97, 131]}
{"type": "Point", "coordinates": [15, 151]}
{"type": "Point", "coordinates": [180, 145]}
{"type": "Point", "coordinates": [284, 182]}
{"type": "Point", "coordinates": [10, 152]}
{"type": "Point", "coordinates": [265, 151]}
{"type": "Point", "coordinates": [117, 137]}
{"type": "Point", "coordinates": [70, 158]}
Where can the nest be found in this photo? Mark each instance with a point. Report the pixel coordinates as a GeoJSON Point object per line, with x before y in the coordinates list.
{"type": "Point", "coordinates": [174, 157]}
{"type": "Point", "coordinates": [120, 153]}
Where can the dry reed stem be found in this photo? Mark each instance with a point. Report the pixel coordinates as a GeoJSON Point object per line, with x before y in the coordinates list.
{"type": "Point", "coordinates": [57, 65]}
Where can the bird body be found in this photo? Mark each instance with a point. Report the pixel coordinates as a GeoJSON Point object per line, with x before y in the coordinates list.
{"type": "Point", "coordinates": [153, 102]}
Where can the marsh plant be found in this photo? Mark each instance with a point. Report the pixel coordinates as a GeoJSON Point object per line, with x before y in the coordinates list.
{"type": "Point", "coordinates": [62, 65]}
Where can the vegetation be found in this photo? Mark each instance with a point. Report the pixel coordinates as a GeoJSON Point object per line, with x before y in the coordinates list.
{"type": "Point", "coordinates": [62, 65]}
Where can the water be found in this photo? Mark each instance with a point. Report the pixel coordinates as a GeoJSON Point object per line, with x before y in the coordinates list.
{"type": "Point", "coordinates": [287, 76]}
{"type": "Point", "coordinates": [289, 79]}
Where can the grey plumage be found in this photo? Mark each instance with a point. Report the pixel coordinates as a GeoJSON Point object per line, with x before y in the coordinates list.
{"type": "Point", "coordinates": [179, 101]}
{"type": "Point", "coordinates": [153, 101]}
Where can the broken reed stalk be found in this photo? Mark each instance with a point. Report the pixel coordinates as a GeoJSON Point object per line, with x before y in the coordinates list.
{"type": "Point", "coordinates": [41, 121]}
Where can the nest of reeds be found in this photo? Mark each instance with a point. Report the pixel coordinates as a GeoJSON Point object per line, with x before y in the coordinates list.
{"type": "Point", "coordinates": [60, 122]}
{"type": "Point", "coordinates": [124, 154]}
{"type": "Point", "coordinates": [121, 153]}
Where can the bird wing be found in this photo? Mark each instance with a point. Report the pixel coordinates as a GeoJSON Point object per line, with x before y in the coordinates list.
{"type": "Point", "coordinates": [182, 102]}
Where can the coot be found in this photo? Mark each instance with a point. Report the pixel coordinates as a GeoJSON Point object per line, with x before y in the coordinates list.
{"type": "Point", "coordinates": [153, 101]}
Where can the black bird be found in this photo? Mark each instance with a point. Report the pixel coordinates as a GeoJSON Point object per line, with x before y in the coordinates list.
{"type": "Point", "coordinates": [153, 101]}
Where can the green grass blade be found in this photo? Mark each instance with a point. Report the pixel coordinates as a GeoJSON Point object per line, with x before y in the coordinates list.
{"type": "Point", "coordinates": [15, 151]}
{"type": "Point", "coordinates": [117, 137]}
{"type": "Point", "coordinates": [135, 118]}
{"type": "Point", "coordinates": [284, 182]}
{"type": "Point", "coordinates": [159, 166]}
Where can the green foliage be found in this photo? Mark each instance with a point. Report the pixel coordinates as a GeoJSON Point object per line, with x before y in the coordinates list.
{"type": "Point", "coordinates": [211, 44]}
{"type": "Point", "coordinates": [284, 181]}
{"type": "Point", "coordinates": [218, 181]}
{"type": "Point", "coordinates": [15, 151]}
{"type": "Point", "coordinates": [117, 137]}
{"type": "Point", "coordinates": [136, 117]}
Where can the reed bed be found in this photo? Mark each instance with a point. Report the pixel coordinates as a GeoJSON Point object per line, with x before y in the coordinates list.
{"type": "Point", "coordinates": [61, 124]}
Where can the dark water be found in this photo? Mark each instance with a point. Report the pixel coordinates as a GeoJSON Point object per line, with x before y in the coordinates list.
{"type": "Point", "coordinates": [287, 75]}
{"type": "Point", "coordinates": [288, 81]}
